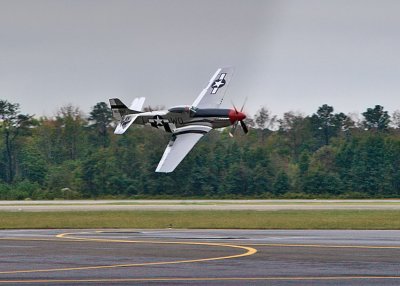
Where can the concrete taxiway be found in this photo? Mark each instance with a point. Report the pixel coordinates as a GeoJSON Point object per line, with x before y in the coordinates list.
{"type": "Point", "coordinates": [185, 205]}
{"type": "Point", "coordinates": [199, 257]}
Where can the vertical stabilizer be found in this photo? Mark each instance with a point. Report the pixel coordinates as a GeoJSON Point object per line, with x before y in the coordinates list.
{"type": "Point", "coordinates": [137, 104]}
{"type": "Point", "coordinates": [119, 109]}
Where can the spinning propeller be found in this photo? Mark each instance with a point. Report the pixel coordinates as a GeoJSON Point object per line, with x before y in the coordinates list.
{"type": "Point", "coordinates": [235, 117]}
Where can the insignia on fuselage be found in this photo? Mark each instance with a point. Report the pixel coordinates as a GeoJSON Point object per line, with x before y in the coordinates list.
{"type": "Point", "coordinates": [158, 121]}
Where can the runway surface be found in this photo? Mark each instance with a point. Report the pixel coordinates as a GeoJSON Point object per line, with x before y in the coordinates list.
{"type": "Point", "coordinates": [199, 257]}
{"type": "Point", "coordinates": [256, 205]}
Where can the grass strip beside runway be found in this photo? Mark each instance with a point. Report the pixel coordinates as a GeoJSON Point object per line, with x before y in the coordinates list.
{"type": "Point", "coordinates": [296, 219]}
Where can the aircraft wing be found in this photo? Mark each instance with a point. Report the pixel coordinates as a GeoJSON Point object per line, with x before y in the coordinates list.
{"type": "Point", "coordinates": [213, 94]}
{"type": "Point", "coordinates": [182, 142]}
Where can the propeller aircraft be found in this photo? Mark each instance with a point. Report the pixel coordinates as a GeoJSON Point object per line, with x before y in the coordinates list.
{"type": "Point", "coordinates": [186, 123]}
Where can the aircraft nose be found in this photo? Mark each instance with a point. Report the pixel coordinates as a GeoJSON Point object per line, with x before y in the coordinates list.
{"type": "Point", "coordinates": [241, 116]}
{"type": "Point", "coordinates": [235, 115]}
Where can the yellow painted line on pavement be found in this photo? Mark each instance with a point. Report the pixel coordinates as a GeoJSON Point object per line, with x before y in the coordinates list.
{"type": "Point", "coordinates": [323, 245]}
{"type": "Point", "coordinates": [34, 239]}
{"type": "Point", "coordinates": [249, 251]}
{"type": "Point", "coordinates": [180, 279]}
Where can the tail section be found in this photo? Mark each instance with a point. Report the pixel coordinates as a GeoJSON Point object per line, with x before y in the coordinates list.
{"type": "Point", "coordinates": [137, 104]}
{"type": "Point", "coordinates": [119, 109]}
{"type": "Point", "coordinates": [125, 115]}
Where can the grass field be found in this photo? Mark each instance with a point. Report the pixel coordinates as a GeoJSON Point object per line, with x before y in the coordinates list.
{"type": "Point", "coordinates": [302, 219]}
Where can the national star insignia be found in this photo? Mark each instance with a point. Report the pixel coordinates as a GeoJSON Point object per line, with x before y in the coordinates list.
{"type": "Point", "coordinates": [218, 83]}
{"type": "Point", "coordinates": [158, 121]}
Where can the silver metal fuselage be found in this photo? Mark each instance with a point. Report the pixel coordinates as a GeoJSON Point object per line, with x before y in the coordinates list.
{"type": "Point", "coordinates": [178, 117]}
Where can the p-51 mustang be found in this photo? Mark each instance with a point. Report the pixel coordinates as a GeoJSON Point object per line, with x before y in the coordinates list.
{"type": "Point", "coordinates": [186, 123]}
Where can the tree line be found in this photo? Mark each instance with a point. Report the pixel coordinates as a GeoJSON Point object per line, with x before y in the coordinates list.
{"type": "Point", "coordinates": [326, 154]}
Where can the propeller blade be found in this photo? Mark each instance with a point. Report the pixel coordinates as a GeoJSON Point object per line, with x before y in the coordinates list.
{"type": "Point", "coordinates": [234, 107]}
{"type": "Point", "coordinates": [244, 103]}
{"type": "Point", "coordinates": [244, 127]}
{"type": "Point", "coordinates": [233, 129]}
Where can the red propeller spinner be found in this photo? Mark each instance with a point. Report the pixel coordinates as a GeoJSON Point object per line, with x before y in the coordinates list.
{"type": "Point", "coordinates": [235, 115]}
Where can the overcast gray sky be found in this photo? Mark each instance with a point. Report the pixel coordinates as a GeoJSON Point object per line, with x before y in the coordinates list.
{"type": "Point", "coordinates": [289, 54]}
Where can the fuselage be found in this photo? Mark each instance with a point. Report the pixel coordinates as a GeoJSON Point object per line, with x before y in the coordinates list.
{"type": "Point", "coordinates": [181, 116]}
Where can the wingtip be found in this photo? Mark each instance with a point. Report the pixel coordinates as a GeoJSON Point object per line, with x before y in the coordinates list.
{"type": "Point", "coordinates": [158, 170]}
{"type": "Point", "coordinates": [161, 168]}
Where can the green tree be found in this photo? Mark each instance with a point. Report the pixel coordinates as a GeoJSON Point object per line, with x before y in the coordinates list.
{"type": "Point", "coordinates": [376, 118]}
{"type": "Point", "coordinates": [319, 182]}
{"type": "Point", "coordinates": [304, 163]}
{"type": "Point", "coordinates": [101, 175]}
{"type": "Point", "coordinates": [370, 166]}
{"type": "Point", "coordinates": [281, 184]}
{"type": "Point", "coordinates": [65, 178]}
{"type": "Point", "coordinates": [236, 180]}
{"type": "Point", "coordinates": [100, 120]}
{"type": "Point", "coordinates": [393, 158]}
{"type": "Point", "coordinates": [296, 133]}
{"type": "Point", "coordinates": [71, 124]}
{"type": "Point", "coordinates": [12, 125]}
{"type": "Point", "coordinates": [32, 166]}
{"type": "Point", "coordinates": [264, 121]}
{"type": "Point", "coordinates": [324, 159]}
{"type": "Point", "coordinates": [344, 163]}
{"type": "Point", "coordinates": [328, 124]}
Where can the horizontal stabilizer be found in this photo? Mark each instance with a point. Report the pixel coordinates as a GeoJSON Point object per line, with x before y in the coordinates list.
{"type": "Point", "coordinates": [124, 124]}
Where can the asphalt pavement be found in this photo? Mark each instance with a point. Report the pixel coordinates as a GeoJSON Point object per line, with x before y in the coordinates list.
{"type": "Point", "coordinates": [199, 257]}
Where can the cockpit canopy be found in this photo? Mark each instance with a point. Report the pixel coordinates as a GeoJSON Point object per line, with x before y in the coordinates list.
{"type": "Point", "coordinates": [182, 109]}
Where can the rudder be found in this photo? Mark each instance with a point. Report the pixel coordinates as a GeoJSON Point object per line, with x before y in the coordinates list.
{"type": "Point", "coordinates": [119, 109]}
